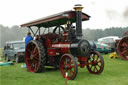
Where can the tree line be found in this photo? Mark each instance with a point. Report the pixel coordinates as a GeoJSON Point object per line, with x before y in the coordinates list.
{"type": "Point", "coordinates": [17, 33]}
{"type": "Point", "coordinates": [94, 34]}
{"type": "Point", "coordinates": [11, 34]}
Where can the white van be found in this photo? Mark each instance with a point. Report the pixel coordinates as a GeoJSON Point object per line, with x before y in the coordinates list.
{"type": "Point", "coordinates": [109, 39]}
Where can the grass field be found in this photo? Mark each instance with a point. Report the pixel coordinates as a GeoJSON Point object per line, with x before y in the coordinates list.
{"type": "Point", "coordinates": [115, 73]}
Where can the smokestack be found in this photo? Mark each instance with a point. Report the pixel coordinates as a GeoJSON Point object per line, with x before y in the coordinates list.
{"type": "Point", "coordinates": [78, 8]}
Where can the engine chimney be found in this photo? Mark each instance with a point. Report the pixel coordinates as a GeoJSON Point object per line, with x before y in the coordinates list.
{"type": "Point", "coordinates": [78, 8]}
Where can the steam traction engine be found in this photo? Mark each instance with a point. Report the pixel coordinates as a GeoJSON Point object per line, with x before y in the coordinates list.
{"type": "Point", "coordinates": [122, 47]}
{"type": "Point", "coordinates": [63, 47]}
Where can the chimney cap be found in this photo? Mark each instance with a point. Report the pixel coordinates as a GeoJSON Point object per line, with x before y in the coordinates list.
{"type": "Point", "coordinates": [78, 7]}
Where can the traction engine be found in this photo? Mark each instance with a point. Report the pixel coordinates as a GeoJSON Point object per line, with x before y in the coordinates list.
{"type": "Point", "coordinates": [63, 47]}
{"type": "Point", "coordinates": [122, 46]}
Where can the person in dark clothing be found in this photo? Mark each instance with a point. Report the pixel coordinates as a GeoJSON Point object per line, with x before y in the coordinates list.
{"type": "Point", "coordinates": [28, 38]}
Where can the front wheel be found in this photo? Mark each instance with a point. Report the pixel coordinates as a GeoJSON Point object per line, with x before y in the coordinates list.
{"type": "Point", "coordinates": [68, 65]}
{"type": "Point", "coordinates": [96, 63]}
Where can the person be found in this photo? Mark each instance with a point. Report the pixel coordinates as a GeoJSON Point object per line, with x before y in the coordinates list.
{"type": "Point", "coordinates": [28, 38]}
{"type": "Point", "coordinates": [72, 32]}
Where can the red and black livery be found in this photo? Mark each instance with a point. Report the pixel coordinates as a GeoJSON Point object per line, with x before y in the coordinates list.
{"type": "Point", "coordinates": [64, 46]}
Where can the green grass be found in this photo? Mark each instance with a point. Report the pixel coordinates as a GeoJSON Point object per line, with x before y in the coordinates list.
{"type": "Point", "coordinates": [115, 73]}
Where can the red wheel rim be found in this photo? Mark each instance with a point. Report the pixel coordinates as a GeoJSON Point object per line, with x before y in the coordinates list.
{"type": "Point", "coordinates": [68, 65]}
{"type": "Point", "coordinates": [97, 63]}
{"type": "Point", "coordinates": [123, 48]}
{"type": "Point", "coordinates": [32, 57]}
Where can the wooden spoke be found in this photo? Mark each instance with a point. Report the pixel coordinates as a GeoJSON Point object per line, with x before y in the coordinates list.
{"type": "Point", "coordinates": [97, 63]}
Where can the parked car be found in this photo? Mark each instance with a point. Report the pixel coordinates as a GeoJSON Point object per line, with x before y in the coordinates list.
{"type": "Point", "coordinates": [14, 50]}
{"type": "Point", "coordinates": [110, 40]}
{"type": "Point", "coordinates": [103, 48]}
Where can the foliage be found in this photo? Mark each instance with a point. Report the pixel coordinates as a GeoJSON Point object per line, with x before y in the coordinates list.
{"type": "Point", "coordinates": [94, 34]}
{"type": "Point", "coordinates": [10, 34]}
{"type": "Point", "coordinates": [17, 33]}
{"type": "Point", "coordinates": [115, 73]}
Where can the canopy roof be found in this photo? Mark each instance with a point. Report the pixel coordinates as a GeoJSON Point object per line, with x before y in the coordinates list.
{"type": "Point", "coordinates": [56, 19]}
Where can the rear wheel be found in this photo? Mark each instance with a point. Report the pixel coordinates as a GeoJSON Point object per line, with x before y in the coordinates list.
{"type": "Point", "coordinates": [68, 65]}
{"type": "Point", "coordinates": [35, 56]}
{"type": "Point", "coordinates": [96, 61]}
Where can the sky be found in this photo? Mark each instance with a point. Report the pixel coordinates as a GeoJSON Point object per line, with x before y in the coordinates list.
{"type": "Point", "coordinates": [104, 13]}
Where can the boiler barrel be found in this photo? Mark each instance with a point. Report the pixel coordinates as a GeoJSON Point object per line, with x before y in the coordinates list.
{"type": "Point", "coordinates": [80, 48]}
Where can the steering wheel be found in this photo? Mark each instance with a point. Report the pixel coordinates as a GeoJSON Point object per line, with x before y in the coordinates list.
{"type": "Point", "coordinates": [58, 28]}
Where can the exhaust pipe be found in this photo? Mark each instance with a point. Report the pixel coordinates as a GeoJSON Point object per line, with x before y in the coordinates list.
{"type": "Point", "coordinates": [78, 8]}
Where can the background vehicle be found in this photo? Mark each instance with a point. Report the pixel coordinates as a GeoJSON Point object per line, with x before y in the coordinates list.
{"type": "Point", "coordinates": [14, 50]}
{"type": "Point", "coordinates": [122, 46]}
{"type": "Point", "coordinates": [103, 48]}
{"type": "Point", "coordinates": [109, 39]}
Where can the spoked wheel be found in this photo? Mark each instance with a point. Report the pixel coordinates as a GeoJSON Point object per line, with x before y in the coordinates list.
{"type": "Point", "coordinates": [58, 29]}
{"type": "Point", "coordinates": [35, 56]}
{"type": "Point", "coordinates": [68, 65]}
{"type": "Point", "coordinates": [122, 48]}
{"type": "Point", "coordinates": [96, 61]}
